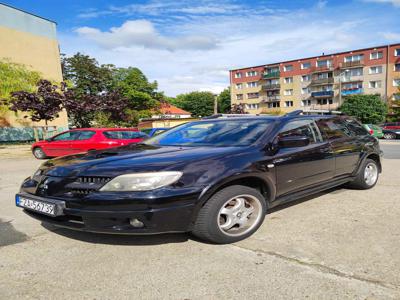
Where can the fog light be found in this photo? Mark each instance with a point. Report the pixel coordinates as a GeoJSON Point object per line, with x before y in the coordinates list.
{"type": "Point", "coordinates": [136, 223]}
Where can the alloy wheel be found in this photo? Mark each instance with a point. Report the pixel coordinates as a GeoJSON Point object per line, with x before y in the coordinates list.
{"type": "Point", "coordinates": [239, 215]}
{"type": "Point", "coordinates": [370, 174]}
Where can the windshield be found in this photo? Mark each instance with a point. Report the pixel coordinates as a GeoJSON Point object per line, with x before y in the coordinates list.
{"type": "Point", "coordinates": [221, 133]}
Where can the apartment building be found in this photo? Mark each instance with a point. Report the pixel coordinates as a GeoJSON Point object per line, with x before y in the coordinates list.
{"type": "Point", "coordinates": [320, 82]}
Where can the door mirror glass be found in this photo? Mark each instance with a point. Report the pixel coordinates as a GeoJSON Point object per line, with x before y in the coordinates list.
{"type": "Point", "coordinates": [293, 141]}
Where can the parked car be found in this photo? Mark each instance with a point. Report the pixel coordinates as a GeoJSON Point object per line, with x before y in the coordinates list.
{"type": "Point", "coordinates": [154, 131]}
{"type": "Point", "coordinates": [215, 178]}
{"type": "Point", "coordinates": [391, 126]}
{"type": "Point", "coordinates": [86, 139]}
{"type": "Point", "coordinates": [374, 130]}
{"type": "Point", "coordinates": [391, 134]}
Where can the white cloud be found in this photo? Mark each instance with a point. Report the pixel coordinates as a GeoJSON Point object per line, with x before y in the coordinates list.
{"type": "Point", "coordinates": [141, 33]}
{"type": "Point", "coordinates": [392, 36]}
{"type": "Point", "coordinates": [393, 2]}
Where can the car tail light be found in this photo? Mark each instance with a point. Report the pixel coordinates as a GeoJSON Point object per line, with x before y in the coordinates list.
{"type": "Point", "coordinates": [371, 132]}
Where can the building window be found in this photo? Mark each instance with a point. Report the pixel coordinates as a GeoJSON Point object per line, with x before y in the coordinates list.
{"type": "Point", "coordinates": [355, 72]}
{"type": "Point", "coordinates": [357, 57]}
{"type": "Point", "coordinates": [324, 101]}
{"type": "Point", "coordinates": [376, 55]}
{"type": "Point", "coordinates": [396, 82]}
{"type": "Point", "coordinates": [252, 84]}
{"type": "Point", "coordinates": [397, 52]}
{"type": "Point", "coordinates": [323, 75]}
{"type": "Point", "coordinates": [324, 63]}
{"type": "Point", "coordinates": [305, 91]}
{"type": "Point", "coordinates": [288, 92]}
{"type": "Point", "coordinates": [252, 106]}
{"type": "Point", "coordinates": [288, 103]}
{"type": "Point", "coordinates": [287, 68]}
{"type": "Point", "coordinates": [239, 97]}
{"type": "Point", "coordinates": [305, 78]}
{"type": "Point", "coordinates": [251, 73]}
{"type": "Point", "coordinates": [274, 105]}
{"type": "Point", "coordinates": [375, 70]}
{"type": "Point", "coordinates": [305, 102]}
{"type": "Point", "coordinates": [238, 75]}
{"type": "Point", "coordinates": [289, 80]}
{"type": "Point", "coordinates": [239, 86]}
{"type": "Point", "coordinates": [375, 84]}
{"type": "Point", "coordinates": [397, 67]}
{"type": "Point", "coordinates": [252, 95]}
{"type": "Point", "coordinates": [305, 65]}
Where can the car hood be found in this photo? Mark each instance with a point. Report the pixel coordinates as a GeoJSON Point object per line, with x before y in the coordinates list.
{"type": "Point", "coordinates": [132, 158]}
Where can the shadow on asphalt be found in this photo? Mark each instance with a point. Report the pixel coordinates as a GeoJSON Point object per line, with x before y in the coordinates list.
{"type": "Point", "coordinates": [9, 235]}
{"type": "Point", "coordinates": [158, 239]}
{"type": "Point", "coordinates": [119, 239]}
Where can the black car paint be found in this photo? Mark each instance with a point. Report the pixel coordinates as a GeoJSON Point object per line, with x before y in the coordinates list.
{"type": "Point", "coordinates": [283, 174]}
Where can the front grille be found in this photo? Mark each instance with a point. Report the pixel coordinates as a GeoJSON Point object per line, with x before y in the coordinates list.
{"type": "Point", "coordinates": [85, 185]}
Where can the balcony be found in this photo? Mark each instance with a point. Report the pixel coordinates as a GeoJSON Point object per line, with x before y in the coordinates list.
{"type": "Point", "coordinates": [320, 69]}
{"type": "Point", "coordinates": [322, 94]}
{"type": "Point", "coordinates": [352, 64]}
{"type": "Point", "coordinates": [269, 75]}
{"type": "Point", "coordinates": [273, 98]}
{"type": "Point", "coordinates": [322, 81]}
{"type": "Point", "coordinates": [270, 87]}
{"type": "Point", "coordinates": [352, 92]}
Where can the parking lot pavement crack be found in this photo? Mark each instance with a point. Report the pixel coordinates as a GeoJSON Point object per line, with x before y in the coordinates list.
{"type": "Point", "coordinates": [323, 269]}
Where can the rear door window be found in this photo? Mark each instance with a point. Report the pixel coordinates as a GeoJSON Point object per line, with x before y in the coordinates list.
{"type": "Point", "coordinates": [334, 128]}
{"type": "Point", "coordinates": [123, 135]}
{"type": "Point", "coordinates": [303, 127]}
{"type": "Point", "coordinates": [357, 129]}
{"type": "Point", "coordinates": [85, 135]}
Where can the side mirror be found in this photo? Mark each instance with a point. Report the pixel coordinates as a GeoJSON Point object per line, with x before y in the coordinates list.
{"type": "Point", "coordinates": [293, 141]}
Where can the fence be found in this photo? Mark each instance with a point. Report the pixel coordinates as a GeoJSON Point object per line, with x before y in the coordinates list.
{"type": "Point", "coordinates": [26, 134]}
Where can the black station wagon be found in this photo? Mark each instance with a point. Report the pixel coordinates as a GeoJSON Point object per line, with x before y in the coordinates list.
{"type": "Point", "coordinates": [216, 178]}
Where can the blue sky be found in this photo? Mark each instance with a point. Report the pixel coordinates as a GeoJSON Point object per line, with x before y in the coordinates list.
{"type": "Point", "coordinates": [190, 45]}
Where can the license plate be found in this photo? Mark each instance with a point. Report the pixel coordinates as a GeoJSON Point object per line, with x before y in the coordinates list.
{"type": "Point", "coordinates": [39, 206]}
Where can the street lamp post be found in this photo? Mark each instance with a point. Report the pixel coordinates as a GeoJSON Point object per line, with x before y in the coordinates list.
{"type": "Point", "coordinates": [340, 85]}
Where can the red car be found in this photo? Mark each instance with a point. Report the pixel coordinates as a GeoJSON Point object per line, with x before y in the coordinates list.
{"type": "Point", "coordinates": [86, 139]}
{"type": "Point", "coordinates": [391, 126]}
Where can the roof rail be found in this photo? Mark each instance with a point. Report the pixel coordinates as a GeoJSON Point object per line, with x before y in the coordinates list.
{"type": "Point", "coordinates": [294, 113]}
{"type": "Point", "coordinates": [221, 116]}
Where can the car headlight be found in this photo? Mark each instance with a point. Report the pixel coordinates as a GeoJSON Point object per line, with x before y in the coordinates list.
{"type": "Point", "coordinates": [141, 181]}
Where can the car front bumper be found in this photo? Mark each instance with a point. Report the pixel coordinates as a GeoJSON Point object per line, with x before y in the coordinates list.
{"type": "Point", "coordinates": [172, 217]}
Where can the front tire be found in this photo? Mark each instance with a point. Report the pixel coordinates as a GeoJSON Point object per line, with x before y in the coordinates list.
{"type": "Point", "coordinates": [230, 215]}
{"type": "Point", "coordinates": [39, 153]}
{"type": "Point", "coordinates": [368, 175]}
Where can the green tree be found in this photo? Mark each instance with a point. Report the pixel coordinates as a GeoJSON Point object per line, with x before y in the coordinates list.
{"type": "Point", "coordinates": [394, 109]}
{"type": "Point", "coordinates": [366, 108]}
{"type": "Point", "coordinates": [198, 103]}
{"type": "Point", "coordinates": [224, 101]}
{"type": "Point", "coordinates": [14, 77]}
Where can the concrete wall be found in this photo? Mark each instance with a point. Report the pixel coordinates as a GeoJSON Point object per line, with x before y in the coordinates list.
{"type": "Point", "coordinates": [30, 40]}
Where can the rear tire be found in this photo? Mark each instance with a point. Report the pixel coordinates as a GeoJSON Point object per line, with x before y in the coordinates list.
{"type": "Point", "coordinates": [368, 175]}
{"type": "Point", "coordinates": [389, 136]}
{"type": "Point", "coordinates": [232, 214]}
{"type": "Point", "coordinates": [39, 153]}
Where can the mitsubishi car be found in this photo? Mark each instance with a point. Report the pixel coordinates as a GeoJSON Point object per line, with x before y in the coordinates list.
{"type": "Point", "coordinates": [216, 178]}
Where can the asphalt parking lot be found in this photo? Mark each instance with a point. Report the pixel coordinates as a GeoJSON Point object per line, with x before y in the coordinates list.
{"type": "Point", "coordinates": [342, 244]}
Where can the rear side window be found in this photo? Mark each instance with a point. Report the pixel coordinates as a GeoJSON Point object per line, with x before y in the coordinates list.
{"type": "Point", "coordinates": [85, 135]}
{"type": "Point", "coordinates": [302, 127]}
{"type": "Point", "coordinates": [357, 129]}
{"type": "Point", "coordinates": [123, 135]}
{"type": "Point", "coordinates": [334, 128]}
